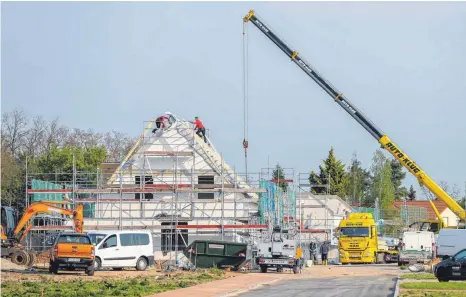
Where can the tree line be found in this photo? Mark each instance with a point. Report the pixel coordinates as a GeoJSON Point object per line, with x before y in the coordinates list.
{"type": "Point", "coordinates": [383, 181]}
{"type": "Point", "coordinates": [48, 147]}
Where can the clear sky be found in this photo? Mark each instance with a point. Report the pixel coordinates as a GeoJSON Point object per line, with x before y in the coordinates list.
{"type": "Point", "coordinates": [115, 65]}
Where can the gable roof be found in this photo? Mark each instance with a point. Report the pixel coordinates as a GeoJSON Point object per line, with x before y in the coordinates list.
{"type": "Point", "coordinates": [178, 139]}
{"type": "Point", "coordinates": [439, 204]}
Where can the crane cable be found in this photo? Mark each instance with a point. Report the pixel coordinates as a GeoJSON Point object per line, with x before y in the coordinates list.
{"type": "Point", "coordinates": [245, 96]}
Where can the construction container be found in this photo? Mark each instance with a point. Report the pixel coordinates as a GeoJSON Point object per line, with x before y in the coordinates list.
{"type": "Point", "coordinates": [220, 254]}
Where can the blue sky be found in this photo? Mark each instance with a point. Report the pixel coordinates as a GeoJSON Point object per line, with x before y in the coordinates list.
{"type": "Point", "coordinates": [115, 65]}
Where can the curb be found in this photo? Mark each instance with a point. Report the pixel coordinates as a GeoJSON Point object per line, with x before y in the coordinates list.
{"type": "Point", "coordinates": [397, 287]}
{"type": "Point", "coordinates": [251, 287]}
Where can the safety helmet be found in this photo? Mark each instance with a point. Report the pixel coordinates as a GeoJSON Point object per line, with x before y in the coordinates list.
{"type": "Point", "coordinates": [167, 112]}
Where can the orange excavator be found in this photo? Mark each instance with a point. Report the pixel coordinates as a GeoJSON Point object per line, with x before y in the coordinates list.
{"type": "Point", "coordinates": [12, 234]}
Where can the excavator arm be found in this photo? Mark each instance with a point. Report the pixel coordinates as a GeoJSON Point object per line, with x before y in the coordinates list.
{"type": "Point", "coordinates": [48, 207]}
{"type": "Point", "coordinates": [354, 112]}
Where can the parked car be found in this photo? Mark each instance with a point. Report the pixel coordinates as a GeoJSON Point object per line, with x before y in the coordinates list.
{"type": "Point", "coordinates": [119, 249]}
{"type": "Point", "coordinates": [71, 251]}
{"type": "Point", "coordinates": [450, 241]}
{"type": "Point", "coordinates": [417, 247]}
{"type": "Point", "coordinates": [453, 268]}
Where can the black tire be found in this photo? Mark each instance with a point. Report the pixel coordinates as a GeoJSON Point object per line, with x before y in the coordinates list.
{"type": "Point", "coordinates": [443, 280]}
{"type": "Point", "coordinates": [32, 259]}
{"type": "Point", "coordinates": [20, 257]}
{"type": "Point", "coordinates": [399, 263]}
{"type": "Point", "coordinates": [263, 269]}
{"type": "Point", "coordinates": [141, 264]}
{"type": "Point", "coordinates": [97, 264]}
{"type": "Point", "coordinates": [54, 268]}
{"type": "Point", "coordinates": [90, 270]}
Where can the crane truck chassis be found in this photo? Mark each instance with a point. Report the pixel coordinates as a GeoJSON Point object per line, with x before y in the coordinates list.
{"type": "Point", "coordinates": [279, 253]}
{"type": "Point", "coordinates": [354, 112]}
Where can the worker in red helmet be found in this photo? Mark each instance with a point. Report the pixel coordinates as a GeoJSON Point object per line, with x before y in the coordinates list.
{"type": "Point", "coordinates": [160, 123]}
{"type": "Point", "coordinates": [200, 128]}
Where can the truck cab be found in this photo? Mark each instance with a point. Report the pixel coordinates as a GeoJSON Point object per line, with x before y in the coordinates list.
{"type": "Point", "coordinates": [358, 239]}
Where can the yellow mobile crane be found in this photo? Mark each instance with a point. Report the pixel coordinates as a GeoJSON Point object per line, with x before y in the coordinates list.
{"type": "Point", "coordinates": [370, 127]}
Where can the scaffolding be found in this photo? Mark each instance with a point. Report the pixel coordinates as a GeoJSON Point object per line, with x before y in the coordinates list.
{"type": "Point", "coordinates": [178, 188]}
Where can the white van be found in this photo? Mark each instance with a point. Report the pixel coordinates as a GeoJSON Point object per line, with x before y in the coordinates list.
{"type": "Point", "coordinates": [417, 246]}
{"type": "Point", "coordinates": [119, 249]}
{"type": "Point", "coordinates": [450, 241]}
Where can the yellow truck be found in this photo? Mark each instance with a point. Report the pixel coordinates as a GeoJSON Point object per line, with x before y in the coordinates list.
{"type": "Point", "coordinates": [358, 242]}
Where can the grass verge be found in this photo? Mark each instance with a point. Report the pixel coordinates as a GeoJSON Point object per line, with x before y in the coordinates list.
{"type": "Point", "coordinates": [418, 276]}
{"type": "Point", "coordinates": [435, 286]}
{"type": "Point", "coordinates": [144, 286]}
{"type": "Point", "coordinates": [421, 293]}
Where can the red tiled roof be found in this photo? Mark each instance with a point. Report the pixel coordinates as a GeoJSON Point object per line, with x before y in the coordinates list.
{"type": "Point", "coordinates": [439, 204]}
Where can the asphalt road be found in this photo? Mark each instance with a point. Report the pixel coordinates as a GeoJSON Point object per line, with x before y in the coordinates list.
{"type": "Point", "coordinates": [380, 286]}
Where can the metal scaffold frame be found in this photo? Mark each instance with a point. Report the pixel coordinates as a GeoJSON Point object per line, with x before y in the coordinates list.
{"type": "Point", "coordinates": [170, 198]}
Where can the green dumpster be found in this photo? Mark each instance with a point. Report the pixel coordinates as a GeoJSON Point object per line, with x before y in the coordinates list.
{"type": "Point", "coordinates": [220, 254]}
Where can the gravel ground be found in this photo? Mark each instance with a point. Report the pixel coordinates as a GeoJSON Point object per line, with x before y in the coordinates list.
{"type": "Point", "coordinates": [8, 265]}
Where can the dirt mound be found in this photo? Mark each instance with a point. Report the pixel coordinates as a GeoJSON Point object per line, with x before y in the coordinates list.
{"type": "Point", "coordinates": [43, 258]}
{"type": "Point", "coordinates": [8, 265]}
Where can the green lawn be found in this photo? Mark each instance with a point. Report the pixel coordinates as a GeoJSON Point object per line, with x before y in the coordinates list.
{"type": "Point", "coordinates": [421, 293]}
{"type": "Point", "coordinates": [111, 287]}
{"type": "Point", "coordinates": [418, 276]}
{"type": "Point", "coordinates": [435, 286]}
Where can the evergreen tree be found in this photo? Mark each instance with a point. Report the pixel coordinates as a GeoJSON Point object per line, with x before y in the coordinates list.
{"type": "Point", "coordinates": [278, 174]}
{"type": "Point", "coordinates": [398, 176]}
{"type": "Point", "coordinates": [335, 170]}
{"type": "Point", "coordinates": [357, 181]}
{"type": "Point", "coordinates": [411, 194]}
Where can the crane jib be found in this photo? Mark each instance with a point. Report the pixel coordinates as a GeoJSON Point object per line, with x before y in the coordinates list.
{"type": "Point", "coordinates": [343, 102]}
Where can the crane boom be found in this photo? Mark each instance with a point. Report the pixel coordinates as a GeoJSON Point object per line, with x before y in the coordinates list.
{"type": "Point", "coordinates": [339, 98]}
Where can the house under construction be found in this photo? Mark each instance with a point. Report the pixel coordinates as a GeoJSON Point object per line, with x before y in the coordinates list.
{"type": "Point", "coordinates": [178, 186]}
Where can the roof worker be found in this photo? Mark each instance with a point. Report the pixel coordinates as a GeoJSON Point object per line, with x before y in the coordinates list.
{"type": "Point", "coordinates": [200, 128]}
{"type": "Point", "coordinates": [160, 123]}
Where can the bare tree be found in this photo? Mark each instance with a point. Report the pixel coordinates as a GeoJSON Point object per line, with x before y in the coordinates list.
{"type": "Point", "coordinates": [55, 134]}
{"type": "Point", "coordinates": [117, 145]}
{"type": "Point", "coordinates": [444, 185]}
{"type": "Point", "coordinates": [14, 130]}
{"type": "Point", "coordinates": [35, 137]}
{"type": "Point", "coordinates": [455, 192]}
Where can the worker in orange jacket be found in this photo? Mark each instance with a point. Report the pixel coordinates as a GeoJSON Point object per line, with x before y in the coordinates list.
{"type": "Point", "coordinates": [200, 128]}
